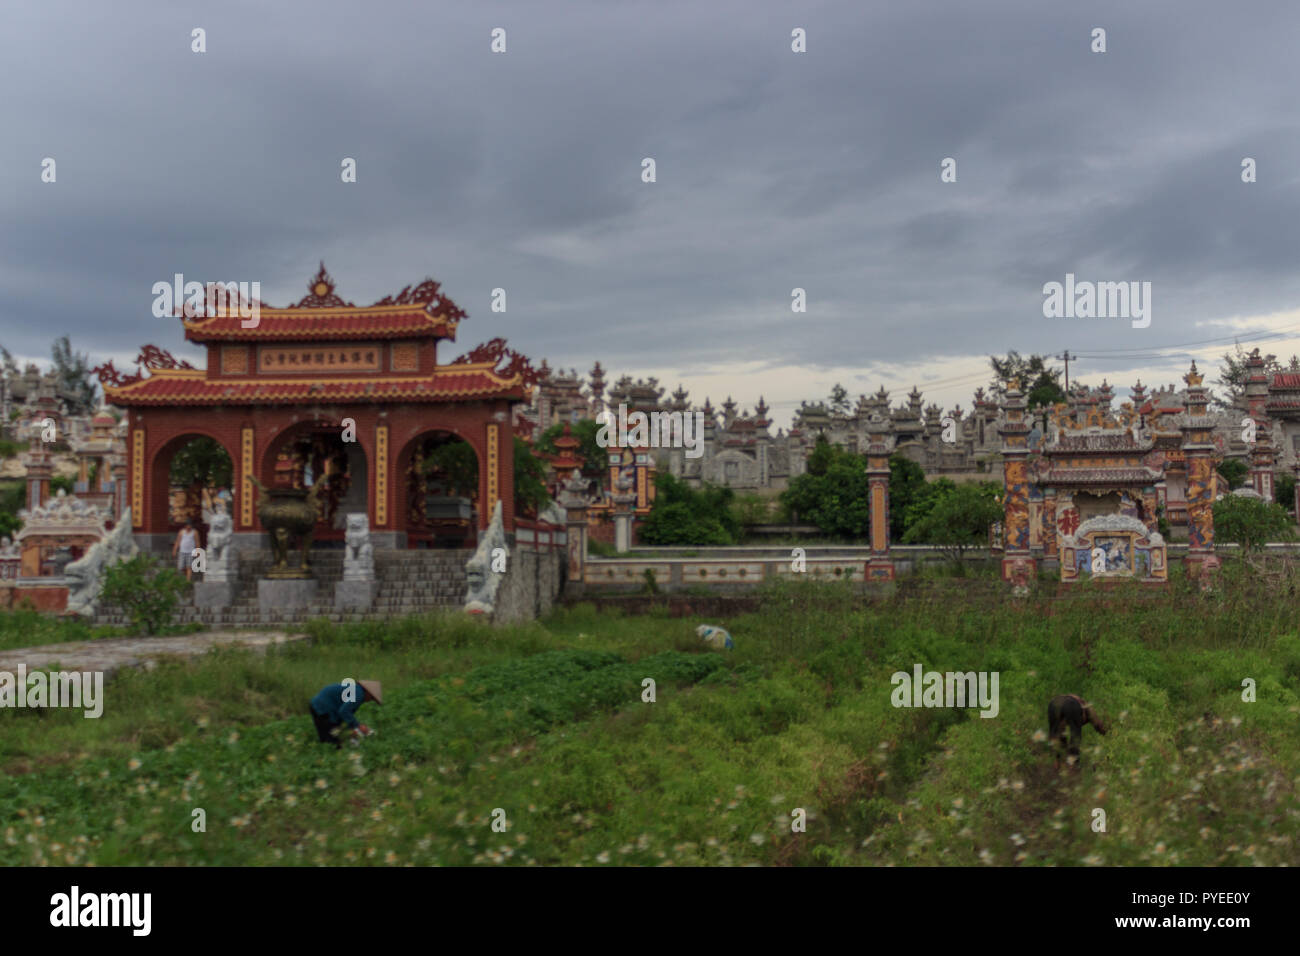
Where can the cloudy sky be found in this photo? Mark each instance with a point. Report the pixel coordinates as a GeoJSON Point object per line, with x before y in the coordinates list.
{"type": "Point", "coordinates": [775, 170]}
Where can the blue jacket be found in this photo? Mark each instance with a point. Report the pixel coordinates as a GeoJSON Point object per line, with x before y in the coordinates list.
{"type": "Point", "coordinates": [329, 703]}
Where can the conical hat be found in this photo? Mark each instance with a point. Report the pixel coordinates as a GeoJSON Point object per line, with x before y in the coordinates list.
{"type": "Point", "coordinates": [373, 690]}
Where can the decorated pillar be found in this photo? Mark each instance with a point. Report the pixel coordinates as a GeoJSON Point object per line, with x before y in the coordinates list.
{"type": "Point", "coordinates": [1017, 560]}
{"type": "Point", "coordinates": [1261, 451]}
{"type": "Point", "coordinates": [1296, 469]}
{"type": "Point", "coordinates": [490, 475]}
{"type": "Point", "coordinates": [247, 494]}
{"type": "Point", "coordinates": [40, 469]}
{"type": "Point", "coordinates": [573, 500]}
{"type": "Point", "coordinates": [880, 566]}
{"type": "Point", "coordinates": [137, 437]}
{"type": "Point", "coordinates": [1051, 551]}
{"type": "Point", "coordinates": [1198, 450]}
{"type": "Point", "coordinates": [117, 466]}
{"type": "Point", "coordinates": [624, 498]}
{"type": "Point", "coordinates": [505, 455]}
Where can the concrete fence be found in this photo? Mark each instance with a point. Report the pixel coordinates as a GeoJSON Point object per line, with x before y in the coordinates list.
{"type": "Point", "coordinates": [725, 569]}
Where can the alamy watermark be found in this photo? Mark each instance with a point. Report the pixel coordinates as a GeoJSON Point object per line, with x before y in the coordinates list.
{"type": "Point", "coordinates": [953, 689]}
{"type": "Point", "coordinates": [214, 298]}
{"type": "Point", "coordinates": [1098, 300]}
{"type": "Point", "coordinates": [77, 689]}
{"type": "Point", "coordinates": [131, 910]}
{"type": "Point", "coordinates": [653, 430]}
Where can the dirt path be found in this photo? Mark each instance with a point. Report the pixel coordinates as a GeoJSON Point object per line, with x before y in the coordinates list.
{"type": "Point", "coordinates": [111, 655]}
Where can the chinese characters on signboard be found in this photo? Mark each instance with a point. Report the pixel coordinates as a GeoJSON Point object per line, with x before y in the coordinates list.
{"type": "Point", "coordinates": [336, 358]}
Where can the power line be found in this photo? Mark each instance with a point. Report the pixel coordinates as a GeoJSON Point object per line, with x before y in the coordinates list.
{"type": "Point", "coordinates": [1219, 340]}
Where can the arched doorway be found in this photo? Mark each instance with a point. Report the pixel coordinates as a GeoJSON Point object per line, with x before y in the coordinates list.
{"type": "Point", "coordinates": [441, 506]}
{"type": "Point", "coordinates": [188, 475]}
{"type": "Point", "coordinates": [312, 452]}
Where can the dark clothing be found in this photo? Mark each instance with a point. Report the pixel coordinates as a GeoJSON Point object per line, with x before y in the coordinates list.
{"type": "Point", "coordinates": [1069, 713]}
{"type": "Point", "coordinates": [331, 704]}
{"type": "Point", "coordinates": [323, 727]}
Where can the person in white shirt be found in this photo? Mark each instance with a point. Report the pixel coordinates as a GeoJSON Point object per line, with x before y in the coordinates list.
{"type": "Point", "coordinates": [187, 540]}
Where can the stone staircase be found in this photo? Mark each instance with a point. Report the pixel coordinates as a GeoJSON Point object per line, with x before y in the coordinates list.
{"type": "Point", "coordinates": [410, 582]}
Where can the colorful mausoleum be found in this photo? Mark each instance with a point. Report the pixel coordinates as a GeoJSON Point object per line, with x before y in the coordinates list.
{"type": "Point", "coordinates": [1089, 495]}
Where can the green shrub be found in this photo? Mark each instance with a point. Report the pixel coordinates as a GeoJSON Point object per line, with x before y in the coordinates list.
{"type": "Point", "coordinates": [1284, 491]}
{"type": "Point", "coordinates": [145, 589]}
{"type": "Point", "coordinates": [601, 549]}
{"type": "Point", "coordinates": [832, 494]}
{"type": "Point", "coordinates": [750, 510]}
{"type": "Point", "coordinates": [958, 521]}
{"type": "Point", "coordinates": [684, 515]}
{"type": "Point", "coordinates": [1250, 522]}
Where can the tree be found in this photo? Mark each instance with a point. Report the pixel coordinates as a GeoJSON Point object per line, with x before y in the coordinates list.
{"type": "Point", "coordinates": [1040, 383]}
{"type": "Point", "coordinates": [595, 459]}
{"type": "Point", "coordinates": [832, 494]}
{"type": "Point", "coordinates": [923, 501]}
{"type": "Point", "coordinates": [1251, 522]}
{"type": "Point", "coordinates": [456, 461]}
{"type": "Point", "coordinates": [1284, 491]}
{"type": "Point", "coordinates": [10, 365]}
{"type": "Point", "coordinates": [1234, 472]}
{"type": "Point", "coordinates": [820, 458]}
{"type": "Point", "coordinates": [906, 483]}
{"type": "Point", "coordinates": [750, 510]}
{"type": "Point", "coordinates": [12, 500]}
{"type": "Point", "coordinates": [457, 464]}
{"type": "Point", "coordinates": [682, 515]}
{"type": "Point", "coordinates": [839, 401]}
{"type": "Point", "coordinates": [958, 520]}
{"type": "Point", "coordinates": [202, 460]}
{"type": "Point", "coordinates": [75, 381]}
{"type": "Point", "coordinates": [530, 479]}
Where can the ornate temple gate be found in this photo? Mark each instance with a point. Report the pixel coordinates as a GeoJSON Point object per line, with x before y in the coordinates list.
{"type": "Point", "coordinates": [320, 390]}
{"type": "Point", "coordinates": [1099, 478]}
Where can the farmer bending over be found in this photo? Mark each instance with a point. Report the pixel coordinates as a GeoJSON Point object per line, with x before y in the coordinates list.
{"type": "Point", "coordinates": [337, 705]}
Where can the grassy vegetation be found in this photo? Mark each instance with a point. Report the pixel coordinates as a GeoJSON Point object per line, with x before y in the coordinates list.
{"type": "Point", "coordinates": [29, 628]}
{"type": "Point", "coordinates": [546, 722]}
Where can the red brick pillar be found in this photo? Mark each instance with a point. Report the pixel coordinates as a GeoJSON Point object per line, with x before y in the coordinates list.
{"type": "Point", "coordinates": [880, 566]}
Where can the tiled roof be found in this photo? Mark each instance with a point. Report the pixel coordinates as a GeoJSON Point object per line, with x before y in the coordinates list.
{"type": "Point", "coordinates": [192, 387]}
{"type": "Point", "coordinates": [1286, 380]}
{"type": "Point", "coordinates": [1092, 476]}
{"type": "Point", "coordinates": [337, 322]}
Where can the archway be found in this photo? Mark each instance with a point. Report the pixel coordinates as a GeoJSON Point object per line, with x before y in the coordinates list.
{"type": "Point", "coordinates": [440, 508]}
{"type": "Point", "coordinates": [312, 452]}
{"type": "Point", "coordinates": [187, 475]}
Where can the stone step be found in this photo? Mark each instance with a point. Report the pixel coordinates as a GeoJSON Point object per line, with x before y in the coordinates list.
{"type": "Point", "coordinates": [421, 581]}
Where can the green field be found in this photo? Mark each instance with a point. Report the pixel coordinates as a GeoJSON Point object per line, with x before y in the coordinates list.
{"type": "Point", "coordinates": [546, 723]}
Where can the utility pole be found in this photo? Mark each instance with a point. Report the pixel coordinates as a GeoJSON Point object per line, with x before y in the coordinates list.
{"type": "Point", "coordinates": [1067, 356]}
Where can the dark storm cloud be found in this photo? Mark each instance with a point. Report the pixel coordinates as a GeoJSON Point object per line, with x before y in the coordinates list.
{"type": "Point", "coordinates": [775, 170]}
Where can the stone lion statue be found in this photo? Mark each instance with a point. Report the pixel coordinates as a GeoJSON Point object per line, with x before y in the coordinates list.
{"type": "Point", "coordinates": [359, 553]}
{"type": "Point", "coordinates": [220, 532]}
